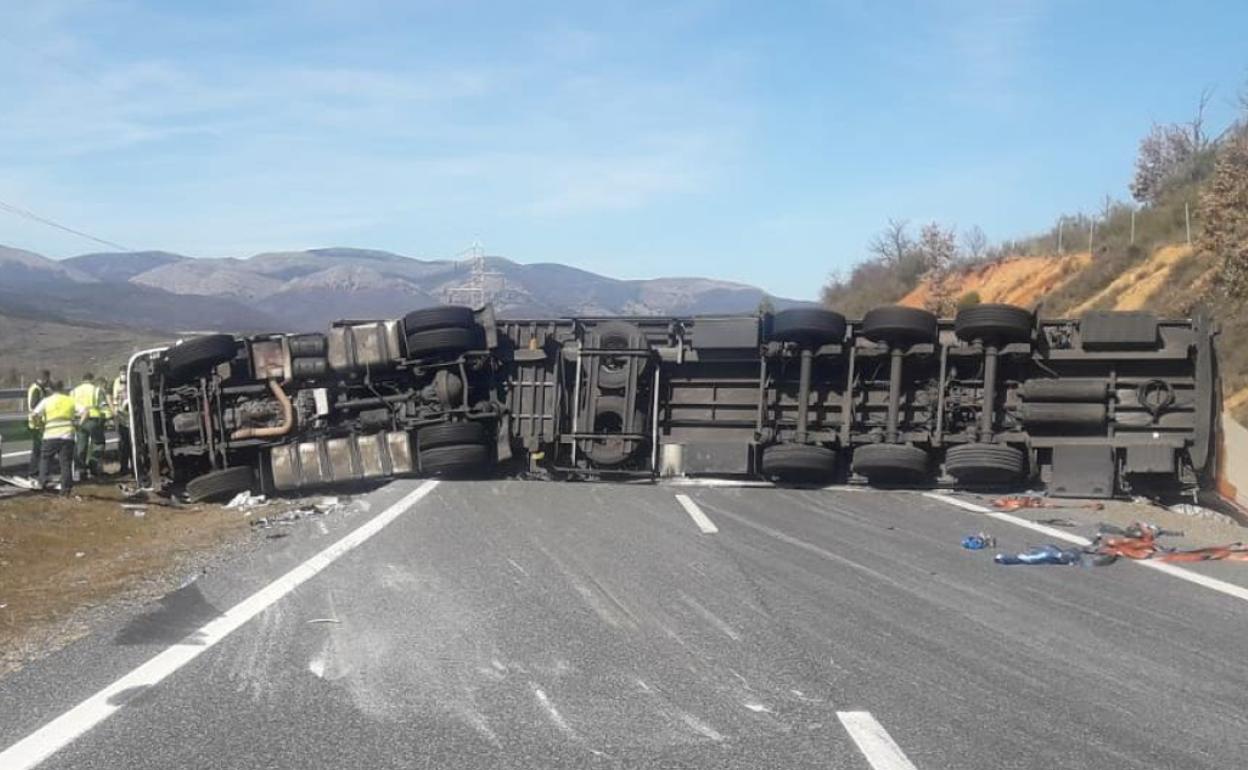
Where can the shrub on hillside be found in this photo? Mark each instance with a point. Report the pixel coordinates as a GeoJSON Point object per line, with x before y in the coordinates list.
{"type": "Point", "coordinates": [1224, 215]}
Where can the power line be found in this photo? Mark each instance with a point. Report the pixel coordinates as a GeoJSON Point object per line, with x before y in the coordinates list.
{"type": "Point", "coordinates": [21, 212]}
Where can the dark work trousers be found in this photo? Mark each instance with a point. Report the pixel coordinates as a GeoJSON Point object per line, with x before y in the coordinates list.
{"type": "Point", "coordinates": [123, 446]}
{"type": "Point", "coordinates": [36, 439]}
{"type": "Point", "coordinates": [63, 450]}
{"type": "Point", "coordinates": [90, 445]}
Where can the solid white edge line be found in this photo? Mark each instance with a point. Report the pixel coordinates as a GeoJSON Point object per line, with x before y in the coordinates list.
{"type": "Point", "coordinates": [65, 729]}
{"type": "Point", "coordinates": [701, 519]}
{"type": "Point", "coordinates": [879, 748]}
{"type": "Point", "coordinates": [1173, 570]}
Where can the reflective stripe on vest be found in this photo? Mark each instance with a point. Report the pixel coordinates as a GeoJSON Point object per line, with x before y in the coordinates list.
{"type": "Point", "coordinates": [58, 415]}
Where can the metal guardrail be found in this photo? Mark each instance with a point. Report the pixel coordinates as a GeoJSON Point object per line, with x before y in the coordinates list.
{"type": "Point", "coordinates": [13, 394]}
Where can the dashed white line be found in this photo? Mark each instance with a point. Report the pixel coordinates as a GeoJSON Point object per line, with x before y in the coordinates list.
{"type": "Point", "coordinates": [1221, 586]}
{"type": "Point", "coordinates": [65, 729]}
{"type": "Point", "coordinates": [879, 748]}
{"type": "Point", "coordinates": [701, 519]}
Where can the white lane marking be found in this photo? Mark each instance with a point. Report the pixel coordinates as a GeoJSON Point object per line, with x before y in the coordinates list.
{"type": "Point", "coordinates": [60, 732]}
{"type": "Point", "coordinates": [26, 452]}
{"type": "Point", "coordinates": [704, 523]}
{"type": "Point", "coordinates": [714, 481]}
{"type": "Point", "coordinates": [1221, 586]}
{"type": "Point", "coordinates": [881, 751]}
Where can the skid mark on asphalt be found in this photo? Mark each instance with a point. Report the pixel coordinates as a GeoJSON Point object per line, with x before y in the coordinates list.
{"type": "Point", "coordinates": [69, 726]}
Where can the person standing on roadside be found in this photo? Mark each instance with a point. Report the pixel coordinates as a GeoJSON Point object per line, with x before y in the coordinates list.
{"type": "Point", "coordinates": [121, 415]}
{"type": "Point", "coordinates": [92, 401]}
{"type": "Point", "coordinates": [57, 414]}
{"type": "Point", "coordinates": [38, 390]}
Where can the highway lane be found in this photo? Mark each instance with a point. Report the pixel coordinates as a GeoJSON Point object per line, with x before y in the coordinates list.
{"type": "Point", "coordinates": [522, 624]}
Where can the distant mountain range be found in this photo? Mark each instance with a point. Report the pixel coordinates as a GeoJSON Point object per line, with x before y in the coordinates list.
{"type": "Point", "coordinates": [300, 290]}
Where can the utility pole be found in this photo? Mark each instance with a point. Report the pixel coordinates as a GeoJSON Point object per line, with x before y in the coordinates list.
{"type": "Point", "coordinates": [1091, 230]}
{"type": "Point", "coordinates": [1187, 219]}
{"type": "Point", "coordinates": [1060, 224]}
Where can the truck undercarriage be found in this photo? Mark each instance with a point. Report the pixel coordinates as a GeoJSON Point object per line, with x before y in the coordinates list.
{"type": "Point", "coordinates": [1110, 403]}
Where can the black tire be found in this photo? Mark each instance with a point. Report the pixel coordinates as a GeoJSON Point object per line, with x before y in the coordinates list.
{"type": "Point", "coordinates": [808, 326]}
{"type": "Point", "coordinates": [891, 463]}
{"type": "Point", "coordinates": [455, 460]}
{"type": "Point", "coordinates": [798, 462]}
{"type": "Point", "coordinates": [428, 318]}
{"type": "Point", "coordinates": [199, 355]}
{"type": "Point", "coordinates": [450, 433]}
{"type": "Point", "coordinates": [617, 335]}
{"type": "Point", "coordinates": [452, 339]}
{"type": "Point", "coordinates": [899, 325]}
{"type": "Point", "coordinates": [307, 345]}
{"type": "Point", "coordinates": [226, 482]}
{"type": "Point", "coordinates": [994, 324]}
{"type": "Point", "coordinates": [610, 451]}
{"type": "Point", "coordinates": [986, 464]}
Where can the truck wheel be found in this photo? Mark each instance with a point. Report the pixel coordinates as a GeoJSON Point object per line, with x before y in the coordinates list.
{"type": "Point", "coordinates": [226, 482]}
{"type": "Point", "coordinates": [451, 339]}
{"type": "Point", "coordinates": [198, 355]}
{"type": "Point", "coordinates": [808, 326]}
{"type": "Point", "coordinates": [994, 324]}
{"type": "Point", "coordinates": [456, 460]}
{"type": "Point", "coordinates": [437, 318]}
{"type": "Point", "coordinates": [985, 464]}
{"type": "Point", "coordinates": [608, 451]}
{"type": "Point", "coordinates": [450, 433]}
{"type": "Point", "coordinates": [891, 463]}
{"type": "Point", "coordinates": [899, 325]}
{"type": "Point", "coordinates": [798, 462]}
{"type": "Point", "coordinates": [617, 335]}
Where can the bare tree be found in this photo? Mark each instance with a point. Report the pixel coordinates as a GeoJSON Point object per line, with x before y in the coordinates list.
{"type": "Point", "coordinates": [893, 243]}
{"type": "Point", "coordinates": [1196, 126]}
{"type": "Point", "coordinates": [940, 250]}
{"type": "Point", "coordinates": [974, 243]}
{"type": "Point", "coordinates": [1161, 153]}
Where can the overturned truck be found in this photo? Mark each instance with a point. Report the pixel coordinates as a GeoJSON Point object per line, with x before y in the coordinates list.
{"type": "Point", "coordinates": [1110, 403]}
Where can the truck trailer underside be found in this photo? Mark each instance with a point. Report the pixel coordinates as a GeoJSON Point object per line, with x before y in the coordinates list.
{"type": "Point", "coordinates": [1107, 404]}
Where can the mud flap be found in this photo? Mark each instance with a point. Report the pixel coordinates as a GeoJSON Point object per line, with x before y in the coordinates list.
{"type": "Point", "coordinates": [1083, 470]}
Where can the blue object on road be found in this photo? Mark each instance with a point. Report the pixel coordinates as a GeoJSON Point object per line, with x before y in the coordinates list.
{"type": "Point", "coordinates": [978, 542]}
{"type": "Point", "coordinates": [1041, 554]}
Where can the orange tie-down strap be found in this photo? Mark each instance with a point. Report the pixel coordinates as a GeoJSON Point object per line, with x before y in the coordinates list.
{"type": "Point", "coordinates": [1145, 547]}
{"type": "Point", "coordinates": [1019, 502]}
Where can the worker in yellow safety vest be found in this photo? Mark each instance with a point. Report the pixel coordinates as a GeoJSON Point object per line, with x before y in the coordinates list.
{"type": "Point", "coordinates": [38, 390]}
{"type": "Point", "coordinates": [121, 412]}
{"type": "Point", "coordinates": [93, 402]}
{"type": "Point", "coordinates": [57, 414]}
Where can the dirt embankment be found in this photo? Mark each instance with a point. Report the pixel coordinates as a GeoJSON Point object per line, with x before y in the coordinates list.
{"type": "Point", "coordinates": [64, 561]}
{"type": "Point", "coordinates": [1022, 281]}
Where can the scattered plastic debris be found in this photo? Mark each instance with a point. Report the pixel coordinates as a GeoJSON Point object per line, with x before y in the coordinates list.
{"type": "Point", "coordinates": [978, 542]}
{"type": "Point", "coordinates": [21, 482]}
{"type": "Point", "coordinates": [245, 500]}
{"type": "Point", "coordinates": [1019, 502]}
{"type": "Point", "coordinates": [1041, 554]}
{"type": "Point", "coordinates": [80, 554]}
{"type": "Point", "coordinates": [1139, 541]}
{"type": "Point", "coordinates": [324, 620]}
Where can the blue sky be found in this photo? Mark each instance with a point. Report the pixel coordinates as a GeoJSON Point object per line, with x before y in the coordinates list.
{"type": "Point", "coordinates": [760, 142]}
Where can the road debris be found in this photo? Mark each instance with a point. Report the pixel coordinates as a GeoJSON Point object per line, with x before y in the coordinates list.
{"type": "Point", "coordinates": [1019, 502]}
{"type": "Point", "coordinates": [244, 500]}
{"type": "Point", "coordinates": [1058, 522]}
{"type": "Point", "coordinates": [978, 542]}
{"type": "Point", "coordinates": [1042, 554]}
{"type": "Point", "coordinates": [1139, 542]}
{"type": "Point", "coordinates": [323, 620]}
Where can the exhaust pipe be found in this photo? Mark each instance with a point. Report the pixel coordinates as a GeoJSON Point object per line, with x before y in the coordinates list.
{"type": "Point", "coordinates": [288, 418]}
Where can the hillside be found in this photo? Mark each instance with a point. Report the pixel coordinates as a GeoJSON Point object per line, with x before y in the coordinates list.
{"type": "Point", "coordinates": [68, 350]}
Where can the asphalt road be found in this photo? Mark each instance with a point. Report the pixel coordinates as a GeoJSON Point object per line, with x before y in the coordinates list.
{"type": "Point", "coordinates": [542, 625]}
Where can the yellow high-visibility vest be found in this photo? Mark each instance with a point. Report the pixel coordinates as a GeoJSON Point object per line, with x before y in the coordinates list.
{"type": "Point", "coordinates": [90, 397]}
{"type": "Point", "coordinates": [58, 416]}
